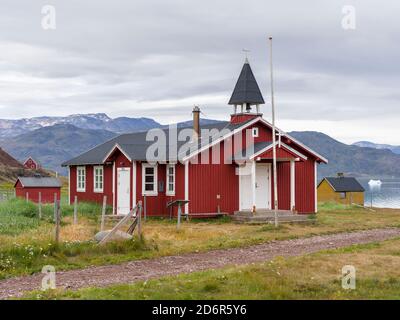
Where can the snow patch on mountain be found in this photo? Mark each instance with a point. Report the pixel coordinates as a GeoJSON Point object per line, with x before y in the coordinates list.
{"type": "Point", "coordinates": [97, 121]}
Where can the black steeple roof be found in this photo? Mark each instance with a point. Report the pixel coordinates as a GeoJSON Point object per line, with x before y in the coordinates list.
{"type": "Point", "coordinates": [246, 89]}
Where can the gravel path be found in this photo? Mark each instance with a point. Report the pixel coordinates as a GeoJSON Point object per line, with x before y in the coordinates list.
{"type": "Point", "coordinates": [172, 265]}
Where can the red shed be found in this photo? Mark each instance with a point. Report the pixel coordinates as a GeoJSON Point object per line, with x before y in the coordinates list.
{"type": "Point", "coordinates": [30, 187]}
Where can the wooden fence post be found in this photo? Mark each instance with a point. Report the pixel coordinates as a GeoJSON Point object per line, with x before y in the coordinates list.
{"type": "Point", "coordinates": [40, 205]}
{"type": "Point", "coordinates": [103, 213]}
{"type": "Point", "coordinates": [145, 207]}
{"type": "Point", "coordinates": [76, 210]}
{"type": "Point", "coordinates": [139, 217]}
{"type": "Point", "coordinates": [178, 225]}
{"type": "Point", "coordinates": [58, 221]}
{"type": "Point", "coordinates": [55, 207]}
{"type": "Point", "coordinates": [27, 196]}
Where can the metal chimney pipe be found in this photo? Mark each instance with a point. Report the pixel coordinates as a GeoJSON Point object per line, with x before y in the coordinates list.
{"type": "Point", "coordinates": [196, 122]}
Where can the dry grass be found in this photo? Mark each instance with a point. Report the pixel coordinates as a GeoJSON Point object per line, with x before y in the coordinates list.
{"type": "Point", "coordinates": [162, 238]}
{"type": "Point", "coordinates": [314, 276]}
{"type": "Point", "coordinates": [213, 234]}
{"type": "Point", "coordinates": [83, 231]}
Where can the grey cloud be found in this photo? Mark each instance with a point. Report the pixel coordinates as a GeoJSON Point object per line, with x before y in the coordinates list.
{"type": "Point", "coordinates": [157, 58]}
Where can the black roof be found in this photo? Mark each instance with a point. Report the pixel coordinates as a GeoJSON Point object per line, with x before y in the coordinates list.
{"type": "Point", "coordinates": [246, 88]}
{"type": "Point", "coordinates": [135, 146]}
{"type": "Point", "coordinates": [345, 184]}
{"type": "Point", "coordinates": [244, 154]}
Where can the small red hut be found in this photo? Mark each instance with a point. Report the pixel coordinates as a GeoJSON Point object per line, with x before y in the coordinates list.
{"type": "Point", "coordinates": [31, 163]}
{"type": "Point", "coordinates": [33, 188]}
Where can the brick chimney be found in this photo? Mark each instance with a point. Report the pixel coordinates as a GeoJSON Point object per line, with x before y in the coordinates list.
{"type": "Point", "coordinates": [196, 122]}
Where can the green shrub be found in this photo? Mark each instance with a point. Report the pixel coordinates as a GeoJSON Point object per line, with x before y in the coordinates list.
{"type": "Point", "coordinates": [18, 206]}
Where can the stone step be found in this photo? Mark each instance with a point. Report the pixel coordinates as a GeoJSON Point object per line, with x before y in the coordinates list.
{"type": "Point", "coordinates": [269, 219]}
{"type": "Point", "coordinates": [262, 213]}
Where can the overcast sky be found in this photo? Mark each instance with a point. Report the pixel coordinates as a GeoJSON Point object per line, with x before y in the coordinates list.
{"type": "Point", "coordinates": [157, 58]}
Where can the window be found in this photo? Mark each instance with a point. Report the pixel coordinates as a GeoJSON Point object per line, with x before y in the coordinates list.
{"type": "Point", "coordinates": [98, 178]}
{"type": "Point", "coordinates": [170, 180]}
{"type": "Point", "coordinates": [343, 195]}
{"type": "Point", "coordinates": [254, 132]}
{"type": "Point", "coordinates": [81, 179]}
{"type": "Point", "coordinates": [149, 177]}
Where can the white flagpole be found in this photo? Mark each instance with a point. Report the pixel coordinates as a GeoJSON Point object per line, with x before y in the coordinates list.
{"type": "Point", "coordinates": [273, 139]}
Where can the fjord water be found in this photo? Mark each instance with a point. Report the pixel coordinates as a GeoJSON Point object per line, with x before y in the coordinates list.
{"type": "Point", "coordinates": [387, 195]}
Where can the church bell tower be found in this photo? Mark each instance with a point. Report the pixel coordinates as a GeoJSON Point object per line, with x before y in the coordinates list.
{"type": "Point", "coordinates": [246, 97]}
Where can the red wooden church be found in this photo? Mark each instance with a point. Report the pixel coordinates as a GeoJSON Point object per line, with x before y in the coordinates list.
{"type": "Point", "coordinates": [122, 170]}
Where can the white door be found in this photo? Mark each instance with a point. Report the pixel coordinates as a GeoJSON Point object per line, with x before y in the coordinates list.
{"type": "Point", "coordinates": [123, 190]}
{"type": "Point", "coordinates": [245, 196]}
{"type": "Point", "coordinates": [263, 194]}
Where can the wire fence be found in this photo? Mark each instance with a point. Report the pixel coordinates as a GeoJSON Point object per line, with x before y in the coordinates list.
{"type": "Point", "coordinates": [6, 194]}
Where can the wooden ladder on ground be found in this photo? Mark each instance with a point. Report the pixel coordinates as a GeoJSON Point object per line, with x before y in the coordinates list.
{"type": "Point", "coordinates": [135, 214]}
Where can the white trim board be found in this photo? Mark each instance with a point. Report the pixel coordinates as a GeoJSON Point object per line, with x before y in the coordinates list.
{"type": "Point", "coordinates": [155, 191]}
{"type": "Point", "coordinates": [117, 146]}
{"type": "Point", "coordinates": [134, 182]}
{"type": "Point", "coordinates": [94, 179]}
{"type": "Point", "coordinates": [187, 186]}
{"type": "Point", "coordinates": [247, 124]}
{"type": "Point", "coordinates": [282, 145]}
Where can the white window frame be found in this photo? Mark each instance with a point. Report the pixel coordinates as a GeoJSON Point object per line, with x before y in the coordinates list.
{"type": "Point", "coordinates": [98, 190]}
{"type": "Point", "coordinates": [169, 192]}
{"type": "Point", "coordinates": [155, 191]}
{"type": "Point", "coordinates": [254, 132]}
{"type": "Point", "coordinates": [78, 188]}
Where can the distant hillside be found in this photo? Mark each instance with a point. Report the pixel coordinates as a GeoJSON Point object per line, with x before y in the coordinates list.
{"type": "Point", "coordinates": [189, 123]}
{"type": "Point", "coordinates": [52, 145]}
{"type": "Point", "coordinates": [351, 159]}
{"type": "Point", "coordinates": [368, 144]}
{"type": "Point", "coordinates": [95, 121]}
{"type": "Point", "coordinates": [55, 144]}
{"type": "Point", "coordinates": [8, 161]}
{"type": "Point", "coordinates": [10, 169]}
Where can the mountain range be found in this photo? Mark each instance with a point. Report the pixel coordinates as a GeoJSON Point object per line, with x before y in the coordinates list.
{"type": "Point", "coordinates": [368, 144]}
{"type": "Point", "coordinates": [52, 140]}
{"type": "Point", "coordinates": [350, 159]}
{"type": "Point", "coordinates": [95, 121]}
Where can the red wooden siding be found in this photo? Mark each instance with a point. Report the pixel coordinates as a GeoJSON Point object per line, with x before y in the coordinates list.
{"type": "Point", "coordinates": [30, 164]}
{"type": "Point", "coordinates": [283, 185]}
{"type": "Point", "coordinates": [157, 205]}
{"type": "Point", "coordinates": [207, 181]}
{"type": "Point", "coordinates": [33, 193]}
{"type": "Point", "coordinates": [89, 195]}
{"type": "Point", "coordinates": [280, 153]}
{"type": "Point", "coordinates": [305, 188]}
{"type": "Point", "coordinates": [239, 118]}
{"type": "Point", "coordinates": [264, 134]}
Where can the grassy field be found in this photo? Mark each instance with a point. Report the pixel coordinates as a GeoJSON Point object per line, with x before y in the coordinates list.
{"type": "Point", "coordinates": [26, 244]}
{"type": "Point", "coordinates": [314, 276]}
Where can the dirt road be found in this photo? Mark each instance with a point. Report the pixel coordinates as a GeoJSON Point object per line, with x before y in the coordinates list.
{"type": "Point", "coordinates": [172, 265]}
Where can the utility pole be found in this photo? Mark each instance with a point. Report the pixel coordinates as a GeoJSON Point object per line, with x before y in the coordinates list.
{"type": "Point", "coordinates": [273, 138]}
